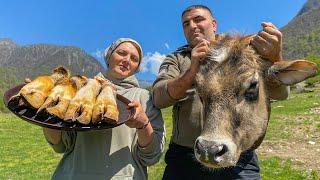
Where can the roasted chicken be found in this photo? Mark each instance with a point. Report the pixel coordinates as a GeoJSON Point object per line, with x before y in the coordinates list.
{"type": "Point", "coordinates": [105, 108]}
{"type": "Point", "coordinates": [59, 98]}
{"type": "Point", "coordinates": [81, 106]}
{"type": "Point", "coordinates": [75, 99]}
{"type": "Point", "coordinates": [35, 93]}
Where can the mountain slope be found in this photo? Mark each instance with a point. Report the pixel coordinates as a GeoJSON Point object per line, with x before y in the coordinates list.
{"type": "Point", "coordinates": [19, 62]}
{"type": "Point", "coordinates": [33, 60]}
{"type": "Point", "coordinates": [302, 33]}
{"type": "Point", "coordinates": [309, 6]}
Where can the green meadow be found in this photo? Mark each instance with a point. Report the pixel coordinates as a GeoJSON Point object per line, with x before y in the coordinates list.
{"type": "Point", "coordinates": [24, 154]}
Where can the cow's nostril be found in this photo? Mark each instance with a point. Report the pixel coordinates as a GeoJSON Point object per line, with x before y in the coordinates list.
{"type": "Point", "coordinates": [200, 147]}
{"type": "Point", "coordinates": [213, 150]}
{"type": "Point", "coordinates": [216, 152]}
{"type": "Point", "coordinates": [222, 150]}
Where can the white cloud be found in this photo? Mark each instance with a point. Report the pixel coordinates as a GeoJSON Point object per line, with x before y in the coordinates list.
{"type": "Point", "coordinates": [151, 62]}
{"type": "Point", "coordinates": [167, 45]}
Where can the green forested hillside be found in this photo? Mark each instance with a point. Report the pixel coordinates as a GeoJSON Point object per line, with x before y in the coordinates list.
{"type": "Point", "coordinates": [303, 45]}
{"type": "Point", "coordinates": [314, 80]}
{"type": "Point", "coordinates": [29, 61]}
{"type": "Point", "coordinates": [301, 35]}
{"type": "Point", "coordinates": [8, 79]}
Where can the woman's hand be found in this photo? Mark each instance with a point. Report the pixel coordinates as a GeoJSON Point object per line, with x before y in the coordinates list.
{"type": "Point", "coordinates": [141, 122]}
{"type": "Point", "coordinates": [139, 119]}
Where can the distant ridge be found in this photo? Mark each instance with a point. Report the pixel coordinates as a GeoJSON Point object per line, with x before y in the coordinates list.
{"type": "Point", "coordinates": [32, 60]}
{"type": "Point", "coordinates": [302, 33]}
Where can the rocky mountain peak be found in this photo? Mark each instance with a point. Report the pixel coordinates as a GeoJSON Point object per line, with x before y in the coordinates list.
{"type": "Point", "coordinates": [6, 42]}
{"type": "Point", "coordinates": [309, 6]}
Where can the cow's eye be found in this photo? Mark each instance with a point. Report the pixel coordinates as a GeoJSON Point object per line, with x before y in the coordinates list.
{"type": "Point", "coordinates": [251, 94]}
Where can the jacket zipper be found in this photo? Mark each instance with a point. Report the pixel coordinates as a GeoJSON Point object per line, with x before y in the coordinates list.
{"type": "Point", "coordinates": [177, 119]}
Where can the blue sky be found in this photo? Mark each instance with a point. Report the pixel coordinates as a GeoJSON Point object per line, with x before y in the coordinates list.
{"type": "Point", "coordinates": [92, 25]}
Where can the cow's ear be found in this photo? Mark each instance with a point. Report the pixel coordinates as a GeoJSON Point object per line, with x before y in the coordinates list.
{"type": "Point", "coordinates": [292, 72]}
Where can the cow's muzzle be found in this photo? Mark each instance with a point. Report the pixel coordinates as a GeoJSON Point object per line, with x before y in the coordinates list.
{"type": "Point", "coordinates": [210, 151]}
{"type": "Point", "coordinates": [214, 154]}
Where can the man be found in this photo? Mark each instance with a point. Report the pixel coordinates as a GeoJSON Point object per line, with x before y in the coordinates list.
{"type": "Point", "coordinates": [174, 87]}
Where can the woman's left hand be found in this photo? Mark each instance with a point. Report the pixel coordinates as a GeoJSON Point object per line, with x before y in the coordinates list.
{"type": "Point", "coordinates": [140, 119]}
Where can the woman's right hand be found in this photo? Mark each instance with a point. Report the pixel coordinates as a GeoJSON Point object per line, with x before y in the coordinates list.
{"type": "Point", "coordinates": [139, 119]}
{"type": "Point", "coordinates": [141, 122]}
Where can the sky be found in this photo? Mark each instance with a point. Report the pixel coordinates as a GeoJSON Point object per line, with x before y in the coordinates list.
{"type": "Point", "coordinates": [93, 24]}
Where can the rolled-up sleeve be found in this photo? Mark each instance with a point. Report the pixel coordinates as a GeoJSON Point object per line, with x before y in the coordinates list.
{"type": "Point", "coordinates": [151, 154]}
{"type": "Point", "coordinates": [169, 69]}
{"type": "Point", "coordinates": [68, 139]}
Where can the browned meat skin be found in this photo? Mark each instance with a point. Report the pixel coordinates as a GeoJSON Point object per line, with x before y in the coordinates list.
{"type": "Point", "coordinates": [105, 108]}
{"type": "Point", "coordinates": [60, 96]}
{"type": "Point", "coordinates": [36, 92]}
{"type": "Point", "coordinates": [81, 106]}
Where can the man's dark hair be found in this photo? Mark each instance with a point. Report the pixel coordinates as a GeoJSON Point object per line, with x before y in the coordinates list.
{"type": "Point", "coordinates": [196, 7]}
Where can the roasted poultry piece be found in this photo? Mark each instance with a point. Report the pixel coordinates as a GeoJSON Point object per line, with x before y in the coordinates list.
{"type": "Point", "coordinates": [105, 107]}
{"type": "Point", "coordinates": [75, 99]}
{"type": "Point", "coordinates": [81, 106]}
{"type": "Point", "coordinates": [59, 98]}
{"type": "Point", "coordinates": [35, 93]}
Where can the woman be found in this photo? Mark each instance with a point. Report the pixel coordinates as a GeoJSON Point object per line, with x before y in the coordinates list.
{"type": "Point", "coordinates": [123, 152]}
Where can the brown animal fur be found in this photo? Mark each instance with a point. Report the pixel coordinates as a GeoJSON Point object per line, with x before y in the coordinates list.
{"type": "Point", "coordinates": [232, 84]}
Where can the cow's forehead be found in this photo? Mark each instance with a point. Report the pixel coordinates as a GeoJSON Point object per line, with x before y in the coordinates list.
{"type": "Point", "coordinates": [230, 63]}
{"type": "Point", "coordinates": [238, 48]}
{"type": "Point", "coordinates": [234, 63]}
{"type": "Point", "coordinates": [231, 80]}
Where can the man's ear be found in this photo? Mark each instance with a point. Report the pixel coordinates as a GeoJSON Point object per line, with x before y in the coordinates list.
{"type": "Point", "coordinates": [292, 72]}
{"type": "Point", "coordinates": [214, 24]}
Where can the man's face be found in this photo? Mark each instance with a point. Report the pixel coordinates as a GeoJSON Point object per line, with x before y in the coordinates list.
{"type": "Point", "coordinates": [198, 24]}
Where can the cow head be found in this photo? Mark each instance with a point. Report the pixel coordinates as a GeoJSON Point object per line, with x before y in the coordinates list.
{"type": "Point", "coordinates": [232, 83]}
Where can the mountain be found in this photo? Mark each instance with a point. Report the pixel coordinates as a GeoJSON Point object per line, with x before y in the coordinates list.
{"type": "Point", "coordinates": [32, 60]}
{"type": "Point", "coordinates": [19, 62]}
{"type": "Point", "coordinates": [301, 36]}
{"type": "Point", "coordinates": [309, 6]}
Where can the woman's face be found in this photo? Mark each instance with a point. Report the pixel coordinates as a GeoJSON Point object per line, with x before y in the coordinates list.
{"type": "Point", "coordinates": [124, 61]}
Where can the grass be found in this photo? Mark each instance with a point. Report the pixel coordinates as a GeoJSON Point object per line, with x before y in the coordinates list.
{"type": "Point", "coordinates": [24, 154]}
{"type": "Point", "coordinates": [156, 171]}
{"type": "Point", "coordinates": [279, 169]}
{"type": "Point", "coordinates": [284, 115]}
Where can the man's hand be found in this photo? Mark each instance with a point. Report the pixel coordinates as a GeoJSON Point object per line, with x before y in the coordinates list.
{"type": "Point", "coordinates": [268, 42]}
{"type": "Point", "coordinates": [198, 53]}
{"type": "Point", "coordinates": [178, 86]}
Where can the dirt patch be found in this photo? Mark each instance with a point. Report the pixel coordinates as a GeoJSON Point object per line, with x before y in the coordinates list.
{"type": "Point", "coordinates": [304, 155]}
{"type": "Point", "coordinates": [315, 110]}
{"type": "Point", "coordinates": [302, 147]}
